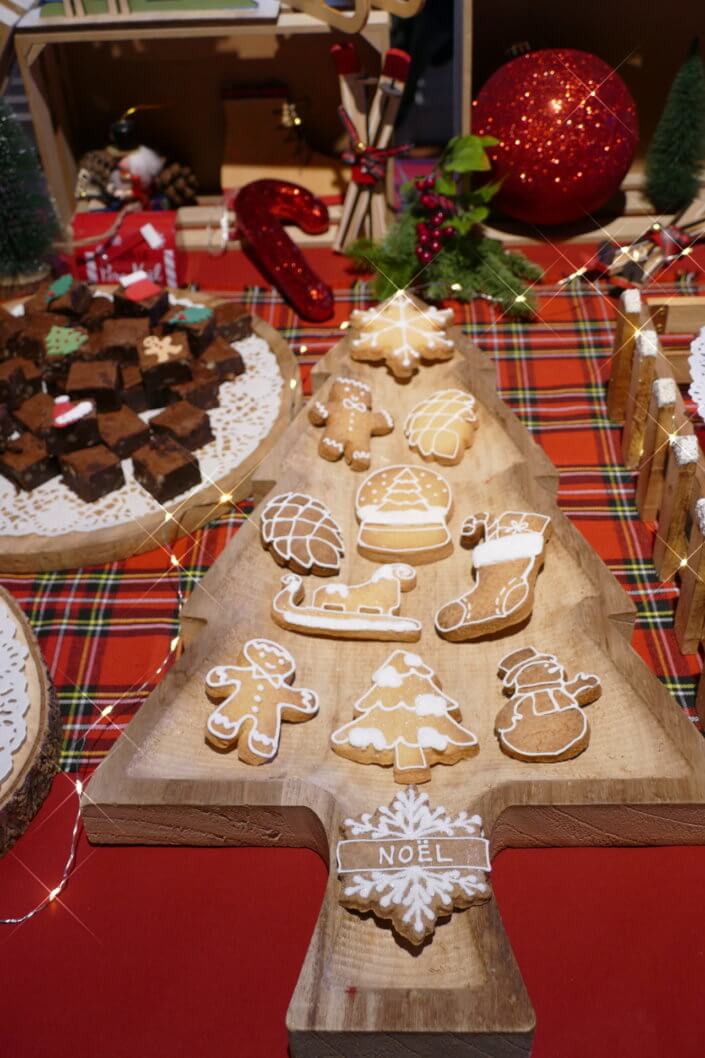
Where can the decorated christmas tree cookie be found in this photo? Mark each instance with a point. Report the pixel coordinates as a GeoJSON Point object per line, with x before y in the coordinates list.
{"type": "Point", "coordinates": [402, 335]}
{"type": "Point", "coordinates": [412, 864]}
{"type": "Point", "coordinates": [405, 720]}
{"type": "Point", "coordinates": [403, 511]}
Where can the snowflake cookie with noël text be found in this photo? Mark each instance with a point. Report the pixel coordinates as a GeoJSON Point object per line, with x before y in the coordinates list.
{"type": "Point", "coordinates": [412, 864]}
{"type": "Point", "coordinates": [402, 334]}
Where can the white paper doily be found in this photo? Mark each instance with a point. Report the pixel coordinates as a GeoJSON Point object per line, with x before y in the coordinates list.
{"type": "Point", "coordinates": [249, 405]}
{"type": "Point", "coordinates": [696, 360]}
{"type": "Point", "coordinates": [14, 693]}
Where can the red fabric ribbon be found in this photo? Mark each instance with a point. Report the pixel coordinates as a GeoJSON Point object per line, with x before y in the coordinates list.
{"type": "Point", "coordinates": [368, 163]}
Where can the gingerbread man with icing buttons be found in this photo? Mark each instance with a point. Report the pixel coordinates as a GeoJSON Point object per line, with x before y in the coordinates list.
{"type": "Point", "coordinates": [349, 423]}
{"type": "Point", "coordinates": [255, 698]}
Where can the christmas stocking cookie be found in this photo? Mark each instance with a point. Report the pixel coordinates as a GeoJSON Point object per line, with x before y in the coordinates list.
{"type": "Point", "coordinates": [349, 423]}
{"type": "Point", "coordinates": [401, 335]}
{"type": "Point", "coordinates": [543, 721]}
{"type": "Point", "coordinates": [405, 720]}
{"type": "Point", "coordinates": [505, 566]}
{"type": "Point", "coordinates": [255, 698]}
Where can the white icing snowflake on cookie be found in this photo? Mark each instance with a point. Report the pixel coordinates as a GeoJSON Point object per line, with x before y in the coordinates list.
{"type": "Point", "coordinates": [401, 334]}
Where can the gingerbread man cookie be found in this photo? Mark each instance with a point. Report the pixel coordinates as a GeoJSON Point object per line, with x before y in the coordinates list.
{"type": "Point", "coordinates": [403, 512]}
{"type": "Point", "coordinates": [543, 721]}
{"type": "Point", "coordinates": [411, 864]}
{"type": "Point", "coordinates": [506, 565]}
{"type": "Point", "coordinates": [405, 720]}
{"type": "Point", "coordinates": [349, 423]}
{"type": "Point", "coordinates": [442, 426]}
{"type": "Point", "coordinates": [302, 534]}
{"type": "Point", "coordinates": [401, 334]}
{"type": "Point", "coordinates": [255, 698]}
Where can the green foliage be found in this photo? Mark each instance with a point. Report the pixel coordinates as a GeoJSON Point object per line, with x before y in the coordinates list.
{"type": "Point", "coordinates": [28, 224]}
{"type": "Point", "coordinates": [677, 151]}
{"type": "Point", "coordinates": [468, 266]}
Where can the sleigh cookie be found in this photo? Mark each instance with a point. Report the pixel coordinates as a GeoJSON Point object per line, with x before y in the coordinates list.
{"type": "Point", "coordinates": [349, 423]}
{"type": "Point", "coordinates": [543, 721]}
{"type": "Point", "coordinates": [350, 611]}
{"type": "Point", "coordinates": [505, 567]}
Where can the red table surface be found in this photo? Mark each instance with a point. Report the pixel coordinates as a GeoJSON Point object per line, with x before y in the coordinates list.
{"type": "Point", "coordinates": [189, 952]}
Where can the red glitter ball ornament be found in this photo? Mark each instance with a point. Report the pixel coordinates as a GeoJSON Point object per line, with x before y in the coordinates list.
{"type": "Point", "coordinates": [567, 130]}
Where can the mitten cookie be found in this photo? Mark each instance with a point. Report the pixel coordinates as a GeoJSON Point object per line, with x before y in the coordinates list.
{"type": "Point", "coordinates": [442, 426]}
{"type": "Point", "coordinates": [401, 335]}
{"type": "Point", "coordinates": [350, 611]}
{"type": "Point", "coordinates": [302, 534]}
{"type": "Point", "coordinates": [405, 720]}
{"type": "Point", "coordinates": [255, 699]}
{"type": "Point", "coordinates": [402, 513]}
{"type": "Point", "coordinates": [505, 565]}
{"type": "Point", "coordinates": [349, 423]}
{"type": "Point", "coordinates": [543, 721]}
{"type": "Point", "coordinates": [412, 864]}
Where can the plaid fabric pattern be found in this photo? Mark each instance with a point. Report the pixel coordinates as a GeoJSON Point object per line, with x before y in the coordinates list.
{"type": "Point", "coordinates": [105, 631]}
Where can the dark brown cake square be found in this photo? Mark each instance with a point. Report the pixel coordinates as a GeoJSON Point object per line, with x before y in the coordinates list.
{"type": "Point", "coordinates": [165, 469]}
{"type": "Point", "coordinates": [36, 304]}
{"type": "Point", "coordinates": [28, 340]}
{"type": "Point", "coordinates": [96, 380]}
{"type": "Point", "coordinates": [133, 391]}
{"type": "Point", "coordinates": [21, 377]}
{"type": "Point", "coordinates": [7, 425]}
{"type": "Point", "coordinates": [128, 302]}
{"type": "Point", "coordinates": [223, 359]}
{"type": "Point", "coordinates": [187, 424]}
{"type": "Point", "coordinates": [92, 472]}
{"type": "Point", "coordinates": [123, 431]}
{"type": "Point", "coordinates": [68, 296]}
{"type": "Point", "coordinates": [99, 310]}
{"type": "Point", "coordinates": [164, 360]}
{"type": "Point", "coordinates": [26, 462]}
{"type": "Point", "coordinates": [195, 321]}
{"type": "Point", "coordinates": [232, 321]}
{"type": "Point", "coordinates": [9, 327]}
{"type": "Point", "coordinates": [121, 338]}
{"type": "Point", "coordinates": [202, 390]}
{"type": "Point", "coordinates": [62, 425]}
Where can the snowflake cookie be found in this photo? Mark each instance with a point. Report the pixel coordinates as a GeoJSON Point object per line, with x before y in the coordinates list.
{"type": "Point", "coordinates": [401, 334]}
{"type": "Point", "coordinates": [413, 864]}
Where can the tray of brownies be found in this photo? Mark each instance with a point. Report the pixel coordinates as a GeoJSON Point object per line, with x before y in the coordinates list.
{"type": "Point", "coordinates": [129, 416]}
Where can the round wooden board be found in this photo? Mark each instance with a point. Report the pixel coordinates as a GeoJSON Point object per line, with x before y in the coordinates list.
{"type": "Point", "coordinates": [34, 552]}
{"type": "Point", "coordinates": [35, 763]}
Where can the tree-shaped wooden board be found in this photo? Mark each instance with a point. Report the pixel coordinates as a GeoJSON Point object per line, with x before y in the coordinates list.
{"type": "Point", "coordinates": [639, 776]}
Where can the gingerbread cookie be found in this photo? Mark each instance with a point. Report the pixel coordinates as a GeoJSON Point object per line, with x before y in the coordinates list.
{"type": "Point", "coordinates": [302, 534]}
{"type": "Point", "coordinates": [402, 512]}
{"type": "Point", "coordinates": [413, 864]}
{"type": "Point", "coordinates": [506, 565]}
{"type": "Point", "coordinates": [349, 423]}
{"type": "Point", "coordinates": [255, 698]}
{"type": "Point", "coordinates": [350, 611]}
{"type": "Point", "coordinates": [405, 720]}
{"type": "Point", "coordinates": [543, 721]}
{"type": "Point", "coordinates": [442, 426]}
{"type": "Point", "coordinates": [402, 335]}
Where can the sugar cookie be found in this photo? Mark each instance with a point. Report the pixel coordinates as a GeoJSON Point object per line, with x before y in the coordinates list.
{"type": "Point", "coordinates": [442, 426]}
{"type": "Point", "coordinates": [401, 334]}
{"type": "Point", "coordinates": [255, 698]}
{"type": "Point", "coordinates": [349, 423]}
{"type": "Point", "coordinates": [302, 534]}
{"type": "Point", "coordinates": [413, 864]}
{"type": "Point", "coordinates": [506, 565]}
{"type": "Point", "coordinates": [543, 720]}
{"type": "Point", "coordinates": [350, 611]}
{"type": "Point", "coordinates": [405, 720]}
{"type": "Point", "coordinates": [402, 512]}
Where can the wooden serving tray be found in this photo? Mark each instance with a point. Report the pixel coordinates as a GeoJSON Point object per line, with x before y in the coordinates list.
{"type": "Point", "coordinates": [641, 780]}
{"type": "Point", "coordinates": [34, 552]}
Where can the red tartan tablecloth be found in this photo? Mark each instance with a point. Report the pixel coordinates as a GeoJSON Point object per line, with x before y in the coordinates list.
{"type": "Point", "coordinates": [169, 952]}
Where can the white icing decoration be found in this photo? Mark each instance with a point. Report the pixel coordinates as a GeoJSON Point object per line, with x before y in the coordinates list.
{"type": "Point", "coordinates": [647, 343]}
{"type": "Point", "coordinates": [507, 549]}
{"type": "Point", "coordinates": [700, 515]}
{"type": "Point", "coordinates": [685, 449]}
{"type": "Point", "coordinates": [430, 705]}
{"type": "Point", "coordinates": [73, 413]}
{"type": "Point", "coordinates": [388, 676]}
{"type": "Point", "coordinates": [14, 692]}
{"type": "Point", "coordinates": [363, 737]}
{"type": "Point", "coordinates": [286, 531]}
{"type": "Point", "coordinates": [433, 418]}
{"type": "Point", "coordinates": [631, 300]}
{"type": "Point", "coordinates": [665, 391]}
{"type": "Point", "coordinates": [696, 362]}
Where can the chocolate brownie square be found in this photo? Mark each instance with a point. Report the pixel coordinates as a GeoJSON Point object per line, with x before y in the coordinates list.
{"type": "Point", "coordinates": [165, 469]}
{"type": "Point", "coordinates": [133, 391]}
{"type": "Point", "coordinates": [164, 360]}
{"type": "Point", "coordinates": [26, 462]}
{"type": "Point", "coordinates": [223, 359]}
{"type": "Point", "coordinates": [96, 380]}
{"type": "Point", "coordinates": [62, 425]}
{"type": "Point", "coordinates": [202, 390]}
{"type": "Point", "coordinates": [188, 425]}
{"type": "Point", "coordinates": [123, 431]}
{"type": "Point", "coordinates": [121, 338]}
{"type": "Point", "coordinates": [29, 338]}
{"type": "Point", "coordinates": [128, 302]}
{"type": "Point", "coordinates": [92, 472]}
{"type": "Point", "coordinates": [232, 321]}
{"type": "Point", "coordinates": [20, 379]}
{"type": "Point", "coordinates": [9, 327]}
{"type": "Point", "coordinates": [36, 305]}
{"type": "Point", "coordinates": [7, 425]}
{"type": "Point", "coordinates": [195, 321]}
{"type": "Point", "coordinates": [68, 296]}
{"type": "Point", "coordinates": [99, 310]}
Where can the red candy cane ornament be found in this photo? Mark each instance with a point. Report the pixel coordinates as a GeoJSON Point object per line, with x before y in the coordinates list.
{"type": "Point", "coordinates": [260, 207]}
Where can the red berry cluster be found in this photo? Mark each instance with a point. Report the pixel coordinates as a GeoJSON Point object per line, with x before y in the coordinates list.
{"type": "Point", "coordinates": [434, 231]}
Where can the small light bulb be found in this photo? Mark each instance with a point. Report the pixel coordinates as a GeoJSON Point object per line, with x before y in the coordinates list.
{"type": "Point", "coordinates": [174, 560]}
{"type": "Point", "coordinates": [520, 298]}
{"type": "Point", "coordinates": [174, 643]}
{"type": "Point", "coordinates": [168, 516]}
{"type": "Point", "coordinates": [227, 497]}
{"type": "Point", "coordinates": [107, 711]}
{"type": "Point", "coordinates": [684, 562]}
{"type": "Point", "coordinates": [79, 787]}
{"type": "Point", "coordinates": [54, 893]}
{"type": "Point", "coordinates": [455, 286]}
{"type": "Point", "coordinates": [303, 348]}
{"type": "Point", "coordinates": [344, 325]}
